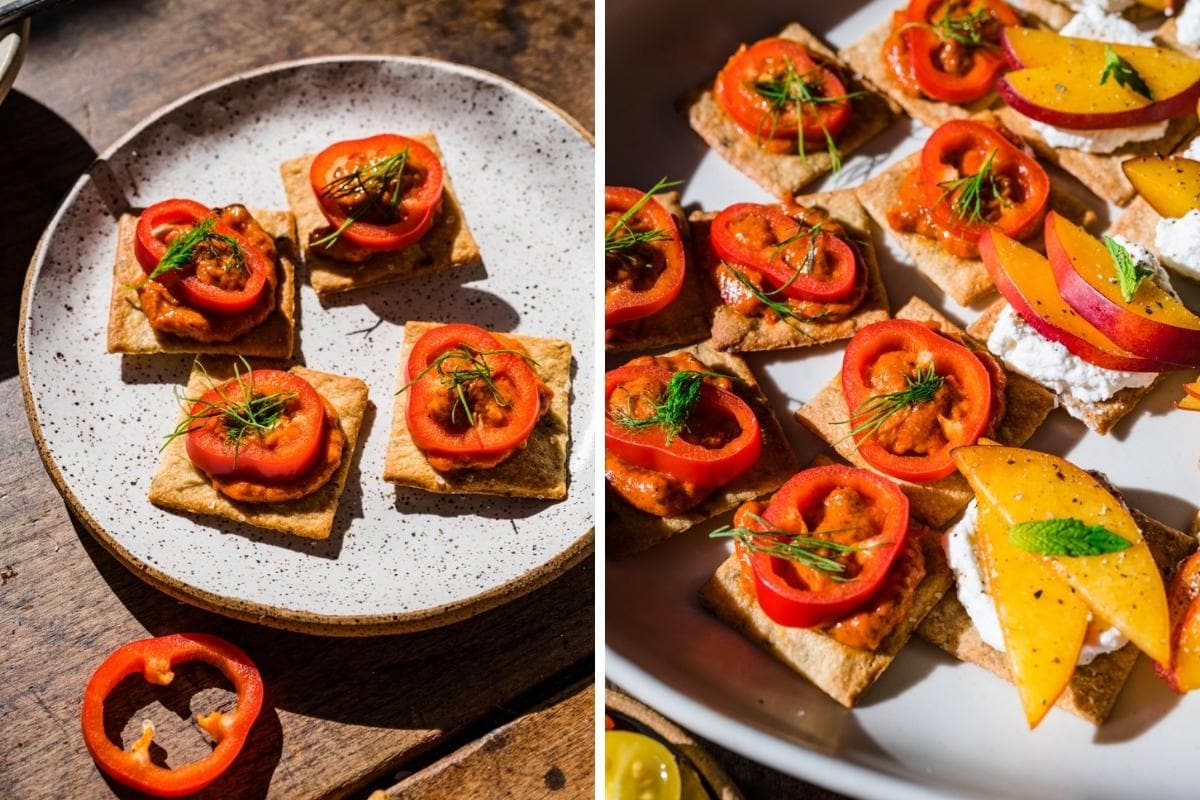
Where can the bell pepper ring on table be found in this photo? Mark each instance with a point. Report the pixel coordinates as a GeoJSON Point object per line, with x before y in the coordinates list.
{"type": "Point", "coordinates": [796, 595]}
{"type": "Point", "coordinates": [628, 295]}
{"type": "Point", "coordinates": [154, 659]}
{"type": "Point", "coordinates": [653, 447]}
{"type": "Point", "coordinates": [380, 193]}
{"type": "Point", "coordinates": [221, 242]}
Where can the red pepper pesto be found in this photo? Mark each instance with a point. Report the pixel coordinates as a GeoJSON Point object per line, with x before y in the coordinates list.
{"type": "Point", "coordinates": [739, 297]}
{"type": "Point", "coordinates": [168, 312]}
{"type": "Point", "coordinates": [484, 433]}
{"type": "Point", "coordinates": [650, 490]}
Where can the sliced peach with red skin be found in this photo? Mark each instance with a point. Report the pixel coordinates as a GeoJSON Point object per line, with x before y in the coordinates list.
{"type": "Point", "coordinates": [1024, 277]}
{"type": "Point", "coordinates": [1188, 402]}
{"type": "Point", "coordinates": [1153, 325]}
{"type": "Point", "coordinates": [1182, 672]}
{"type": "Point", "coordinates": [1056, 80]}
{"type": "Point", "coordinates": [1170, 184]}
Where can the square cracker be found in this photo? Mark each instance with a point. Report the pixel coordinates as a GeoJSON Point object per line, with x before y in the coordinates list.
{"type": "Point", "coordinates": [841, 671]}
{"type": "Point", "coordinates": [937, 502]}
{"type": "Point", "coordinates": [784, 174]}
{"type": "Point", "coordinates": [1094, 687]}
{"type": "Point", "coordinates": [684, 321]}
{"type": "Point", "coordinates": [1100, 172]}
{"type": "Point", "coordinates": [1168, 35]}
{"type": "Point", "coordinates": [129, 330]}
{"type": "Point", "coordinates": [447, 244]}
{"type": "Point", "coordinates": [631, 530]}
{"type": "Point", "coordinates": [538, 470]}
{"type": "Point", "coordinates": [1100, 415]}
{"type": "Point", "coordinates": [964, 279]}
{"type": "Point", "coordinates": [180, 486]}
{"type": "Point", "coordinates": [738, 333]}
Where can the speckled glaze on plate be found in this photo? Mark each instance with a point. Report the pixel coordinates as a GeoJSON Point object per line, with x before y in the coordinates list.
{"type": "Point", "coordinates": [398, 559]}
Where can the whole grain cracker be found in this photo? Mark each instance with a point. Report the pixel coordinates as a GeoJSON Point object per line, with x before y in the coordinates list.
{"type": "Point", "coordinates": [538, 470]}
{"type": "Point", "coordinates": [738, 333]}
{"type": "Point", "coordinates": [936, 502]}
{"type": "Point", "coordinates": [784, 174]}
{"type": "Point", "coordinates": [631, 530]}
{"type": "Point", "coordinates": [129, 330]}
{"type": "Point", "coordinates": [180, 486]}
{"type": "Point", "coordinates": [448, 244]}
{"type": "Point", "coordinates": [1100, 415]}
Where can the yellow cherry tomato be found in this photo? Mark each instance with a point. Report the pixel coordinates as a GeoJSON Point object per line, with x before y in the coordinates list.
{"type": "Point", "coordinates": [637, 767]}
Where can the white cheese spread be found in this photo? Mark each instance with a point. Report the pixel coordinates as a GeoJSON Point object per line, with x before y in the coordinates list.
{"type": "Point", "coordinates": [1103, 140]}
{"type": "Point", "coordinates": [959, 544]}
{"type": "Point", "coordinates": [1103, 5]}
{"type": "Point", "coordinates": [1178, 242]}
{"type": "Point", "coordinates": [1143, 257]}
{"type": "Point", "coordinates": [1051, 364]}
{"type": "Point", "coordinates": [1193, 148]}
{"type": "Point", "coordinates": [1093, 23]}
{"type": "Point", "coordinates": [1187, 27]}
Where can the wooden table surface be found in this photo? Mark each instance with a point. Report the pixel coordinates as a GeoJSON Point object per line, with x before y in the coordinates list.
{"type": "Point", "coordinates": [506, 694]}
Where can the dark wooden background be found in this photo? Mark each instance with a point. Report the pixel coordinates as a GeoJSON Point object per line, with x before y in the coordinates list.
{"type": "Point", "coordinates": [506, 694]}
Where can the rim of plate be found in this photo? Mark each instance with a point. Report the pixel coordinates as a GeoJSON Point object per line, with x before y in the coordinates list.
{"type": "Point", "coordinates": [237, 608]}
{"type": "Point", "coordinates": [790, 758]}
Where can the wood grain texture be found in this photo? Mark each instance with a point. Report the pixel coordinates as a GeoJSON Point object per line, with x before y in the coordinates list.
{"type": "Point", "coordinates": [548, 753]}
{"type": "Point", "coordinates": [342, 716]}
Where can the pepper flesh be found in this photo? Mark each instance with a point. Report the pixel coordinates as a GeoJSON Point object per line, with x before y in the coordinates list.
{"type": "Point", "coordinates": [154, 659]}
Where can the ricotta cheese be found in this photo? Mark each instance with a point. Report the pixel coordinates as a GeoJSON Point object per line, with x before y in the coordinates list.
{"type": "Point", "coordinates": [1145, 258]}
{"type": "Point", "coordinates": [1051, 364]}
{"type": "Point", "coordinates": [1193, 148]}
{"type": "Point", "coordinates": [1187, 27]}
{"type": "Point", "coordinates": [1104, 140]}
{"type": "Point", "coordinates": [1093, 23]}
{"type": "Point", "coordinates": [1104, 5]}
{"type": "Point", "coordinates": [960, 547]}
{"type": "Point", "coordinates": [1178, 242]}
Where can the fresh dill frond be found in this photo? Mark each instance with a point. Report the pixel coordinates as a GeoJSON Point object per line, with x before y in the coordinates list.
{"type": "Point", "coordinates": [672, 408]}
{"type": "Point", "coordinates": [467, 365]}
{"type": "Point", "coordinates": [798, 90]}
{"type": "Point", "coordinates": [872, 413]}
{"type": "Point", "coordinates": [971, 189]}
{"type": "Point", "coordinates": [785, 311]}
{"type": "Point", "coordinates": [372, 181]}
{"type": "Point", "coordinates": [622, 238]}
{"type": "Point", "coordinates": [186, 247]}
{"type": "Point", "coordinates": [799, 547]}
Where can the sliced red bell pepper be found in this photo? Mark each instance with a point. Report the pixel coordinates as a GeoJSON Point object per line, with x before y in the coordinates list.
{"type": "Point", "coordinates": [154, 659]}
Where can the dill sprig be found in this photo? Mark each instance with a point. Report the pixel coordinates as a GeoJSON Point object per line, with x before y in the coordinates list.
{"type": "Point", "coordinates": [785, 311]}
{"type": "Point", "coordinates": [243, 414]}
{"type": "Point", "coordinates": [966, 29]}
{"type": "Point", "coordinates": [672, 408]}
{"type": "Point", "coordinates": [968, 205]}
{"type": "Point", "coordinates": [372, 181]}
{"type": "Point", "coordinates": [922, 386]}
{"type": "Point", "coordinates": [622, 237]}
{"type": "Point", "coordinates": [187, 246]}
{"type": "Point", "coordinates": [469, 365]}
{"type": "Point", "coordinates": [810, 256]}
{"type": "Point", "coordinates": [794, 88]}
{"type": "Point", "coordinates": [798, 547]}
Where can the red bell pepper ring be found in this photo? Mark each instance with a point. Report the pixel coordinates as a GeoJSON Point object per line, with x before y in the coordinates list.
{"type": "Point", "coordinates": [819, 268]}
{"type": "Point", "coordinates": [486, 441]}
{"type": "Point", "coordinates": [385, 225]}
{"type": "Point", "coordinates": [958, 149]}
{"type": "Point", "coordinates": [736, 91]}
{"type": "Point", "coordinates": [149, 248]}
{"type": "Point", "coordinates": [965, 375]}
{"type": "Point", "coordinates": [624, 302]}
{"type": "Point", "coordinates": [926, 48]}
{"type": "Point", "coordinates": [693, 463]}
{"type": "Point", "coordinates": [798, 596]}
{"type": "Point", "coordinates": [154, 659]}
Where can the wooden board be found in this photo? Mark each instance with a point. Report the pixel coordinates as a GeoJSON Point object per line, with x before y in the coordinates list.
{"type": "Point", "coordinates": [342, 716]}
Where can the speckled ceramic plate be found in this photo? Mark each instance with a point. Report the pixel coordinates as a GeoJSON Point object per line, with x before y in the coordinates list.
{"type": "Point", "coordinates": [398, 559]}
{"type": "Point", "coordinates": [932, 727]}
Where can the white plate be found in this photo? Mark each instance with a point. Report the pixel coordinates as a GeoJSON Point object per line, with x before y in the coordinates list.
{"type": "Point", "coordinates": [398, 559]}
{"type": "Point", "coordinates": [931, 726]}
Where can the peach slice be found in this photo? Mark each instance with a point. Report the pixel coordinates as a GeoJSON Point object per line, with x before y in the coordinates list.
{"type": "Point", "coordinates": [1171, 185]}
{"type": "Point", "coordinates": [1191, 399]}
{"type": "Point", "coordinates": [1125, 588]}
{"type": "Point", "coordinates": [1024, 277]}
{"type": "Point", "coordinates": [1043, 620]}
{"type": "Point", "coordinates": [1154, 325]}
{"type": "Point", "coordinates": [1182, 673]}
{"type": "Point", "coordinates": [1057, 81]}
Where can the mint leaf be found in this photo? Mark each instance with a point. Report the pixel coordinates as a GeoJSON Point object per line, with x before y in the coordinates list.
{"type": "Point", "coordinates": [1130, 273]}
{"type": "Point", "coordinates": [1123, 73]}
{"type": "Point", "coordinates": [1065, 537]}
